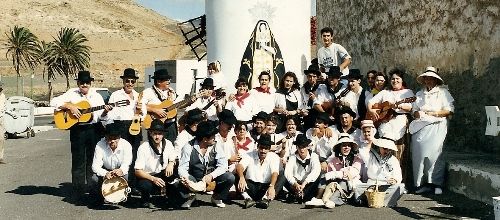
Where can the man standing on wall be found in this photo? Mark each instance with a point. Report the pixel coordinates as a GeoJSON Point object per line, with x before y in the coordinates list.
{"type": "Point", "coordinates": [332, 54]}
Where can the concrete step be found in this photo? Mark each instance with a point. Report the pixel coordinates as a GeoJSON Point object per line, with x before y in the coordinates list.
{"type": "Point", "coordinates": [476, 176]}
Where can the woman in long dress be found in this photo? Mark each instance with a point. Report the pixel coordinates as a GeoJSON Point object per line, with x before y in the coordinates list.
{"type": "Point", "coordinates": [433, 105]}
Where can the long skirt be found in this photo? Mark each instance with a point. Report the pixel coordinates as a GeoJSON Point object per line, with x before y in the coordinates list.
{"type": "Point", "coordinates": [427, 148]}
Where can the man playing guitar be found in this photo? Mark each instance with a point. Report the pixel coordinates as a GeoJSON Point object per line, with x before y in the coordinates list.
{"type": "Point", "coordinates": [159, 92]}
{"type": "Point", "coordinates": [83, 136]}
{"type": "Point", "coordinates": [207, 103]}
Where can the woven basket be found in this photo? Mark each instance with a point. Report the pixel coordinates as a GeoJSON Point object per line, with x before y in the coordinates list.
{"type": "Point", "coordinates": [375, 198]}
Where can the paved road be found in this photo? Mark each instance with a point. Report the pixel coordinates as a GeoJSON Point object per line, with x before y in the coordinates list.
{"type": "Point", "coordinates": [34, 184]}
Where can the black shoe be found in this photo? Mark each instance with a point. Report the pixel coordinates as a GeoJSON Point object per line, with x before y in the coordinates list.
{"type": "Point", "coordinates": [263, 204]}
{"type": "Point", "coordinates": [147, 205]}
{"type": "Point", "coordinates": [135, 192]}
{"type": "Point", "coordinates": [249, 203]}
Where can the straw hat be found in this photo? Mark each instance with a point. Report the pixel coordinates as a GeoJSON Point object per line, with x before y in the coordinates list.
{"type": "Point", "coordinates": [432, 72]}
{"type": "Point", "coordinates": [386, 142]}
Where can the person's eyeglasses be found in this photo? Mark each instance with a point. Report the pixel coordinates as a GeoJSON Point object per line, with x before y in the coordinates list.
{"type": "Point", "coordinates": [132, 81]}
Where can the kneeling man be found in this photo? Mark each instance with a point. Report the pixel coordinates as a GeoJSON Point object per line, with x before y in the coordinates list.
{"type": "Point", "coordinates": [203, 164]}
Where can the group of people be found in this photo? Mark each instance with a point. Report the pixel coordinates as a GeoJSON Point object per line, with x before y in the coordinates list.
{"type": "Point", "coordinates": [323, 143]}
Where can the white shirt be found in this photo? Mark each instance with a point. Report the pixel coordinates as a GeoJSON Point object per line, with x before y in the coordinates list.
{"type": "Point", "coordinates": [200, 103]}
{"type": "Point", "coordinates": [295, 96]}
{"type": "Point", "coordinates": [334, 55]}
{"type": "Point", "coordinates": [265, 101]}
{"type": "Point", "coordinates": [392, 97]}
{"type": "Point", "coordinates": [257, 172]}
{"type": "Point", "coordinates": [106, 160]}
{"type": "Point", "coordinates": [149, 96]}
{"type": "Point", "coordinates": [295, 172]}
{"type": "Point", "coordinates": [353, 97]}
{"type": "Point", "coordinates": [322, 146]}
{"type": "Point", "coordinates": [439, 98]}
{"type": "Point", "coordinates": [148, 161]}
{"type": "Point", "coordinates": [290, 148]}
{"type": "Point", "coordinates": [127, 112]}
{"type": "Point", "coordinates": [74, 96]}
{"type": "Point", "coordinates": [219, 80]}
{"type": "Point", "coordinates": [248, 109]}
{"type": "Point", "coordinates": [324, 96]}
{"type": "Point", "coordinates": [382, 172]}
{"type": "Point", "coordinates": [182, 139]}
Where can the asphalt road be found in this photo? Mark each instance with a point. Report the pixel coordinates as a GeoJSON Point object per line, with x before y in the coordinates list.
{"type": "Point", "coordinates": [35, 184]}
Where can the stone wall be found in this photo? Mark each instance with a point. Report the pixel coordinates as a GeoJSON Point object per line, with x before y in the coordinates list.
{"type": "Point", "coordinates": [460, 37]}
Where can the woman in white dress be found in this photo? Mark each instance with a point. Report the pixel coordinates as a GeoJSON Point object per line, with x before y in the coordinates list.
{"type": "Point", "coordinates": [288, 100]}
{"type": "Point", "coordinates": [431, 109]}
{"type": "Point", "coordinates": [242, 104]}
{"type": "Point", "coordinates": [383, 169]}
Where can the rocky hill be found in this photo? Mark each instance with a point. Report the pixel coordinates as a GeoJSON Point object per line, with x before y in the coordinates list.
{"type": "Point", "coordinates": [120, 32]}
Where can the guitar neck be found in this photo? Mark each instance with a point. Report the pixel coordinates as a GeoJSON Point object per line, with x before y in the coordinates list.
{"type": "Point", "coordinates": [176, 105]}
{"type": "Point", "coordinates": [96, 108]}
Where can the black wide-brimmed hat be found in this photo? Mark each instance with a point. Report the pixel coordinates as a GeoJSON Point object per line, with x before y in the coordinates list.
{"type": "Point", "coordinates": [194, 115]}
{"type": "Point", "coordinates": [334, 72]}
{"type": "Point", "coordinates": [206, 129]}
{"type": "Point", "coordinates": [129, 73]}
{"type": "Point", "coordinates": [113, 129]}
{"type": "Point", "coordinates": [208, 82]}
{"type": "Point", "coordinates": [84, 76]}
{"type": "Point", "coordinates": [157, 125]}
{"type": "Point", "coordinates": [265, 140]}
{"type": "Point", "coordinates": [348, 111]}
{"type": "Point", "coordinates": [354, 74]}
{"type": "Point", "coordinates": [302, 141]}
{"type": "Point", "coordinates": [313, 69]}
{"type": "Point", "coordinates": [261, 115]}
{"type": "Point", "coordinates": [324, 117]}
{"type": "Point", "coordinates": [161, 74]}
{"type": "Point", "coordinates": [227, 116]}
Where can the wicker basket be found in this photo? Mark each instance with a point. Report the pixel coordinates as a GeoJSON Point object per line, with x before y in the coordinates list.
{"type": "Point", "coordinates": [375, 198]}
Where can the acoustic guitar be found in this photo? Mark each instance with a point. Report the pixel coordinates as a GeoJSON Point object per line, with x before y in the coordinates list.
{"type": "Point", "coordinates": [386, 111]}
{"type": "Point", "coordinates": [170, 108]}
{"type": "Point", "coordinates": [135, 126]}
{"type": "Point", "coordinates": [64, 119]}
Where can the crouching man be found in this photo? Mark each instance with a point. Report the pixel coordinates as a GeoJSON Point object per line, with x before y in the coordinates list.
{"type": "Point", "coordinates": [112, 158]}
{"type": "Point", "coordinates": [258, 174]}
{"type": "Point", "coordinates": [155, 165]}
{"type": "Point", "coordinates": [203, 165]}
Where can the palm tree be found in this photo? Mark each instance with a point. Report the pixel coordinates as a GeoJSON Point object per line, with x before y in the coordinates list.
{"type": "Point", "coordinates": [49, 65]}
{"type": "Point", "coordinates": [22, 47]}
{"type": "Point", "coordinates": [68, 54]}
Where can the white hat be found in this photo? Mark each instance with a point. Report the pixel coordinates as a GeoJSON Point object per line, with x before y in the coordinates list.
{"type": "Point", "coordinates": [385, 142]}
{"type": "Point", "coordinates": [345, 138]}
{"type": "Point", "coordinates": [432, 72]}
{"type": "Point", "coordinates": [367, 123]}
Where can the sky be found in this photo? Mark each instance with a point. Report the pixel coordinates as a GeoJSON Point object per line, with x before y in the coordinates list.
{"type": "Point", "coordinates": [182, 10]}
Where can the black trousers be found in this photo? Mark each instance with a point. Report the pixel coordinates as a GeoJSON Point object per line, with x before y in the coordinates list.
{"type": "Point", "coordinates": [309, 191]}
{"type": "Point", "coordinates": [170, 131]}
{"type": "Point", "coordinates": [148, 188]}
{"type": "Point", "coordinates": [83, 140]}
{"type": "Point", "coordinates": [135, 141]}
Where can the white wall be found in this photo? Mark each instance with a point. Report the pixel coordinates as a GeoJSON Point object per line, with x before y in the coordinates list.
{"type": "Point", "coordinates": [231, 22]}
{"type": "Point", "coordinates": [182, 74]}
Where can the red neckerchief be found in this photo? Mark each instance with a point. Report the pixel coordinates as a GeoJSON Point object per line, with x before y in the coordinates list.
{"type": "Point", "coordinates": [244, 145]}
{"type": "Point", "coordinates": [240, 99]}
{"type": "Point", "coordinates": [260, 89]}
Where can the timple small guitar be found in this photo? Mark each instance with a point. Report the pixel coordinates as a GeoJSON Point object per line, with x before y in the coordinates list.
{"type": "Point", "coordinates": [135, 126]}
{"type": "Point", "coordinates": [64, 119]}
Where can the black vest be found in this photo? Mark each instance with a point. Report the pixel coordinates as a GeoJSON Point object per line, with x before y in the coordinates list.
{"type": "Point", "coordinates": [197, 168]}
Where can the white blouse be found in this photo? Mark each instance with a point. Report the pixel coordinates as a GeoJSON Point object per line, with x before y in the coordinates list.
{"type": "Point", "coordinates": [438, 98]}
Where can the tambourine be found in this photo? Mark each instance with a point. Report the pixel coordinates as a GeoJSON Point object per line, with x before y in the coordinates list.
{"type": "Point", "coordinates": [115, 190]}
